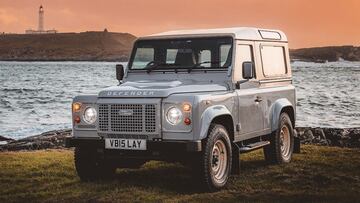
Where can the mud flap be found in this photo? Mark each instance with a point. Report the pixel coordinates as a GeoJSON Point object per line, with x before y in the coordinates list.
{"type": "Point", "coordinates": [296, 143]}
{"type": "Point", "coordinates": [235, 166]}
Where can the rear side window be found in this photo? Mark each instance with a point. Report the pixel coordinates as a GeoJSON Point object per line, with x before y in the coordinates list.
{"type": "Point", "coordinates": [273, 60]}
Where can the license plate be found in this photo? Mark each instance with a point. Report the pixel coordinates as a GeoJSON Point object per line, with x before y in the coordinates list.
{"type": "Point", "coordinates": [129, 144]}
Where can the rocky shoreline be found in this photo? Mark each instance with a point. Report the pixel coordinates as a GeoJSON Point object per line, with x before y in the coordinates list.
{"type": "Point", "coordinates": [48, 140]}
{"type": "Point", "coordinates": [347, 137]}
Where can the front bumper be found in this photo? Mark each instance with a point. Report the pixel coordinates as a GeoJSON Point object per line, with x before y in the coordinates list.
{"type": "Point", "coordinates": [152, 146]}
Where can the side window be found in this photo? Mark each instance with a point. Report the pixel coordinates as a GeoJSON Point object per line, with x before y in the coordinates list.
{"type": "Point", "coordinates": [243, 54]}
{"type": "Point", "coordinates": [171, 55]}
{"type": "Point", "coordinates": [273, 60]}
{"type": "Point", "coordinates": [142, 57]}
{"type": "Point", "coordinates": [205, 56]}
{"type": "Point", "coordinates": [224, 54]}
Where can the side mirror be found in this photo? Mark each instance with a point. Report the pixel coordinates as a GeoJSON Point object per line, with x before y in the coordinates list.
{"type": "Point", "coordinates": [247, 70]}
{"type": "Point", "coordinates": [119, 72]}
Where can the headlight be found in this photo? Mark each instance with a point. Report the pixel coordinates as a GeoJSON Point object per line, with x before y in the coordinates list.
{"type": "Point", "coordinates": [174, 115]}
{"type": "Point", "coordinates": [90, 115]}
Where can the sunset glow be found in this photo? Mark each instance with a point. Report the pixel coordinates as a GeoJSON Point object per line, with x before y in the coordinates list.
{"type": "Point", "coordinates": [307, 23]}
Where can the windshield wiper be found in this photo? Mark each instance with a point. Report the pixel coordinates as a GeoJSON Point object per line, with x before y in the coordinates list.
{"type": "Point", "coordinates": [152, 66]}
{"type": "Point", "coordinates": [201, 63]}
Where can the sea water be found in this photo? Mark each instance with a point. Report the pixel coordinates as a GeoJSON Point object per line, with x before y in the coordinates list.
{"type": "Point", "coordinates": [36, 96]}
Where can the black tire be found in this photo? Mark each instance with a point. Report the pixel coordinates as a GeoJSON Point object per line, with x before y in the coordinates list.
{"type": "Point", "coordinates": [281, 148]}
{"type": "Point", "coordinates": [217, 137]}
{"type": "Point", "coordinates": [90, 167]}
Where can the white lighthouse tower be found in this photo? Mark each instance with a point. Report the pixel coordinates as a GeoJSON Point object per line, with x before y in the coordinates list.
{"type": "Point", "coordinates": [41, 19]}
{"type": "Point", "coordinates": [41, 29]}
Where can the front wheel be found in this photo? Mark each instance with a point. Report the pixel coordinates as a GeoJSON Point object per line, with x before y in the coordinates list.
{"type": "Point", "coordinates": [281, 145]}
{"type": "Point", "coordinates": [217, 158]}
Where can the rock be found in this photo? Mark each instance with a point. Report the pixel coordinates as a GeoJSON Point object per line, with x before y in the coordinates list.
{"type": "Point", "coordinates": [321, 135]}
{"type": "Point", "coordinates": [48, 140]}
{"type": "Point", "coordinates": [2, 138]}
{"type": "Point", "coordinates": [307, 137]}
{"type": "Point", "coordinates": [348, 137]}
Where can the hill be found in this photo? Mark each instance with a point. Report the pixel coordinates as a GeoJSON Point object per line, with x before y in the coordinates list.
{"type": "Point", "coordinates": [330, 53]}
{"type": "Point", "coordinates": [318, 174]}
{"type": "Point", "coordinates": [84, 46]}
{"type": "Point", "coordinates": [111, 46]}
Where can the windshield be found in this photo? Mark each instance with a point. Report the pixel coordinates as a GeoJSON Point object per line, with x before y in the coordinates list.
{"type": "Point", "coordinates": [190, 53]}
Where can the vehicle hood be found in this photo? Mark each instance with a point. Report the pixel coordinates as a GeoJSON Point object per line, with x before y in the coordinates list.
{"type": "Point", "coordinates": [160, 88]}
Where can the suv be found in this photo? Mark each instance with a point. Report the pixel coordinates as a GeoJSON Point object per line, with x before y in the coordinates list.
{"type": "Point", "coordinates": [198, 97]}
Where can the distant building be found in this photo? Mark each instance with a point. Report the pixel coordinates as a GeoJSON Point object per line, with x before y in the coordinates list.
{"type": "Point", "coordinates": [41, 29]}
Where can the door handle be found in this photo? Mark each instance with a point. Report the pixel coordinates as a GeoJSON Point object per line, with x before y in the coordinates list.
{"type": "Point", "coordinates": [258, 99]}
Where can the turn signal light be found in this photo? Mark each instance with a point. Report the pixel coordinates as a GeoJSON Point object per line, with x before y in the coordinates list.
{"type": "Point", "coordinates": [187, 121]}
{"type": "Point", "coordinates": [76, 107]}
{"type": "Point", "coordinates": [187, 107]}
{"type": "Point", "coordinates": [77, 119]}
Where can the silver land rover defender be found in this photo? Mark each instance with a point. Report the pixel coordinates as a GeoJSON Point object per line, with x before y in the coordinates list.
{"type": "Point", "coordinates": [198, 97]}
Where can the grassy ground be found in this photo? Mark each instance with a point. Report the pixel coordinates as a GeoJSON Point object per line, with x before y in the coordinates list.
{"type": "Point", "coordinates": [326, 174]}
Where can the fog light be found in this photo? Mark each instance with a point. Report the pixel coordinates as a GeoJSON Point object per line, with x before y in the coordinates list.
{"type": "Point", "coordinates": [187, 121]}
{"type": "Point", "coordinates": [77, 119]}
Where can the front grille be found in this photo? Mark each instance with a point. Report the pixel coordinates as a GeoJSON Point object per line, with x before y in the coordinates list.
{"type": "Point", "coordinates": [132, 118]}
{"type": "Point", "coordinates": [119, 136]}
{"type": "Point", "coordinates": [150, 122]}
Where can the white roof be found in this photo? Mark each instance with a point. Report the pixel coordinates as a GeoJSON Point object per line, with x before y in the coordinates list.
{"type": "Point", "coordinates": [243, 33]}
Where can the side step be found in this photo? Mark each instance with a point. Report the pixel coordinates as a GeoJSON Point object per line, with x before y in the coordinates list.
{"type": "Point", "coordinates": [253, 146]}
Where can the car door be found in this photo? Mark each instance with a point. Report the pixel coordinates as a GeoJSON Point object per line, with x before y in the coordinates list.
{"type": "Point", "coordinates": [276, 76]}
{"type": "Point", "coordinates": [250, 105]}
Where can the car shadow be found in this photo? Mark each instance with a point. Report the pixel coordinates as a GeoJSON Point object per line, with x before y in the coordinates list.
{"type": "Point", "coordinates": [166, 176]}
{"type": "Point", "coordinates": [172, 177]}
{"type": "Point", "coordinates": [249, 165]}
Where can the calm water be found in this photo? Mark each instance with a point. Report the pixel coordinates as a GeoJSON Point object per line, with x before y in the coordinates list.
{"type": "Point", "coordinates": [36, 96]}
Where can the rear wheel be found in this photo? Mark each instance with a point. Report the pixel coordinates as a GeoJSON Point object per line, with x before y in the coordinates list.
{"type": "Point", "coordinates": [216, 158]}
{"type": "Point", "coordinates": [281, 145]}
{"type": "Point", "coordinates": [89, 166]}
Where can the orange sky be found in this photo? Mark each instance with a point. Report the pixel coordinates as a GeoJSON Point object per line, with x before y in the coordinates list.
{"type": "Point", "coordinates": [306, 22]}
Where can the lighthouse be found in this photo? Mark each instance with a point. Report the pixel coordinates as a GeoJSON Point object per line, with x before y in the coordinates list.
{"type": "Point", "coordinates": [41, 19]}
{"type": "Point", "coordinates": [41, 28]}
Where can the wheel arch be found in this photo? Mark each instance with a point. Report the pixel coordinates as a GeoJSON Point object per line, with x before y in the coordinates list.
{"type": "Point", "coordinates": [280, 106]}
{"type": "Point", "coordinates": [218, 114]}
